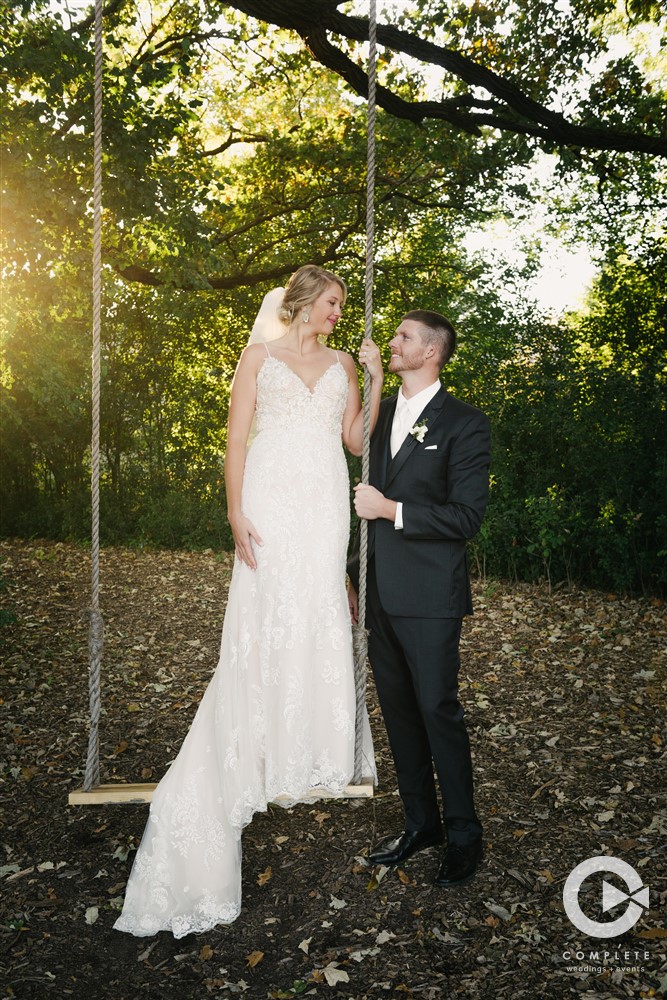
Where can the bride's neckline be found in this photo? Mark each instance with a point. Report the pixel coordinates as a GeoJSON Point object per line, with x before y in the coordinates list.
{"type": "Point", "coordinates": [310, 389]}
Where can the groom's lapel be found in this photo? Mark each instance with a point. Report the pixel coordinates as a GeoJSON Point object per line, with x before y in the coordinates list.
{"type": "Point", "coordinates": [431, 414]}
{"type": "Point", "coordinates": [384, 437]}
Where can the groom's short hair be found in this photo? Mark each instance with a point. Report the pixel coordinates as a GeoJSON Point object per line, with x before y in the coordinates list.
{"type": "Point", "coordinates": [436, 330]}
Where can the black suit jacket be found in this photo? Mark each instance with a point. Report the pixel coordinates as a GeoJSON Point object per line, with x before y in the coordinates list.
{"type": "Point", "coordinates": [443, 483]}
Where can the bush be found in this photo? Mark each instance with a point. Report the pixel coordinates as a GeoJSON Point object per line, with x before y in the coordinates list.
{"type": "Point", "coordinates": [179, 520]}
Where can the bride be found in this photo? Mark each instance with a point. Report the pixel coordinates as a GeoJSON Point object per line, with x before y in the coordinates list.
{"type": "Point", "coordinates": [277, 719]}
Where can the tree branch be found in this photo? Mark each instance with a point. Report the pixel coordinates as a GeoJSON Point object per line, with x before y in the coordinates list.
{"type": "Point", "coordinates": [233, 139]}
{"type": "Point", "coordinates": [82, 26]}
{"type": "Point", "coordinates": [312, 19]}
{"type": "Point", "coordinates": [240, 279]}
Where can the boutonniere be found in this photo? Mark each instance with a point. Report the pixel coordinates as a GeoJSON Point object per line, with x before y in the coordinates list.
{"type": "Point", "coordinates": [419, 431]}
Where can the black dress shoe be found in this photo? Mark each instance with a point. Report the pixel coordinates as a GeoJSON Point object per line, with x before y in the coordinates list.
{"type": "Point", "coordinates": [394, 850]}
{"type": "Point", "coordinates": [459, 864]}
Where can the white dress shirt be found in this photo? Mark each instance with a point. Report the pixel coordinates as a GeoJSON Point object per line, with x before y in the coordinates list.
{"type": "Point", "coordinates": [406, 415]}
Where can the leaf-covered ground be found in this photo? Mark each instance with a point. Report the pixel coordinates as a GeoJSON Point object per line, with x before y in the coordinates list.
{"type": "Point", "coordinates": [565, 701]}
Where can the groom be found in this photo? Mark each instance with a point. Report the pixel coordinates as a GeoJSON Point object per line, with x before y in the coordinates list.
{"type": "Point", "coordinates": [428, 490]}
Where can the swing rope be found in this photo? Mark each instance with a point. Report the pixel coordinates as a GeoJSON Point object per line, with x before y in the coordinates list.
{"type": "Point", "coordinates": [96, 621]}
{"type": "Point", "coordinates": [360, 637]}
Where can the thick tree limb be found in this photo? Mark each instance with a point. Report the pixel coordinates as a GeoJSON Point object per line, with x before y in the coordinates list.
{"type": "Point", "coordinates": [312, 19]}
{"type": "Point", "coordinates": [241, 279]}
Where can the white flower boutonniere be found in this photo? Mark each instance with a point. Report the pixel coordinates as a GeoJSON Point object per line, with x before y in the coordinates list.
{"type": "Point", "coordinates": [419, 431]}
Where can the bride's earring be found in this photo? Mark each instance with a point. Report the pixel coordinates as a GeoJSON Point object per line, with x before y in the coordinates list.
{"type": "Point", "coordinates": [305, 315]}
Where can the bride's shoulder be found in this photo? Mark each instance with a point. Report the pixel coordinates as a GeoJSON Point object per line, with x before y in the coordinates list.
{"type": "Point", "coordinates": [253, 354]}
{"type": "Point", "coordinates": [252, 358]}
{"type": "Point", "coordinates": [346, 360]}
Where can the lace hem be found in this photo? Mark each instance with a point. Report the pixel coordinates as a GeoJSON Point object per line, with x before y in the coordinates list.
{"type": "Point", "coordinates": [148, 924]}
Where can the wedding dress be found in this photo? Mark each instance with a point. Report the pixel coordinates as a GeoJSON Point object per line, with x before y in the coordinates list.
{"type": "Point", "coordinates": [277, 718]}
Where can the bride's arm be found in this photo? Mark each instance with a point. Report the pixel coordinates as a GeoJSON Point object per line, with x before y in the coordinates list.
{"type": "Point", "coordinates": [353, 418]}
{"type": "Point", "coordinates": [241, 412]}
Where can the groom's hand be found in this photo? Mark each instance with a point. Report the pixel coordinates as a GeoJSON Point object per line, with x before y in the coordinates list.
{"type": "Point", "coordinates": [370, 504]}
{"type": "Point", "coordinates": [353, 603]}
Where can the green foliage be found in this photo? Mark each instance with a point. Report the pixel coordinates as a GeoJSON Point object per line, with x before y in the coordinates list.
{"type": "Point", "coordinates": [230, 159]}
{"type": "Point", "coordinates": [580, 444]}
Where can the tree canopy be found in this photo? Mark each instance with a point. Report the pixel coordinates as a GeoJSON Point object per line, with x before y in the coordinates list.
{"type": "Point", "coordinates": [230, 124]}
{"type": "Point", "coordinates": [234, 151]}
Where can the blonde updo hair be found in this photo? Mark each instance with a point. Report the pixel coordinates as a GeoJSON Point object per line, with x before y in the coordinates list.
{"type": "Point", "coordinates": [306, 285]}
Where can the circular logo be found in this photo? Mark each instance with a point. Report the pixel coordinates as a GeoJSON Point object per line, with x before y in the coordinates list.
{"type": "Point", "coordinates": [637, 897]}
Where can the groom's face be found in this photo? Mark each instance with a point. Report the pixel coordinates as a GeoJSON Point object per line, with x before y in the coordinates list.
{"type": "Point", "coordinates": [408, 351]}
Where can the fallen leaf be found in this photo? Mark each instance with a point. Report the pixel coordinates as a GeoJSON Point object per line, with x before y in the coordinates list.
{"type": "Point", "coordinates": [545, 873]}
{"type": "Point", "coordinates": [305, 944]}
{"type": "Point", "coordinates": [205, 952]}
{"type": "Point", "coordinates": [92, 913]}
{"type": "Point", "coordinates": [377, 875]}
{"type": "Point", "coordinates": [254, 958]}
{"type": "Point", "coordinates": [445, 938]}
{"type": "Point", "coordinates": [264, 876]}
{"type": "Point", "coordinates": [499, 911]}
{"type": "Point", "coordinates": [334, 975]}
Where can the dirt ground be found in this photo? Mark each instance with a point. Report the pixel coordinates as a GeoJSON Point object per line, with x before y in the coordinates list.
{"type": "Point", "coordinates": [565, 698]}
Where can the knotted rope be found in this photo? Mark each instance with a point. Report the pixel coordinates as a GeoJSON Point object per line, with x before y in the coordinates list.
{"type": "Point", "coordinates": [96, 627]}
{"type": "Point", "coordinates": [360, 634]}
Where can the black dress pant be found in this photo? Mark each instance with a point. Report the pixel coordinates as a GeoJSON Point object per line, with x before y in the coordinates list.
{"type": "Point", "coordinates": [415, 662]}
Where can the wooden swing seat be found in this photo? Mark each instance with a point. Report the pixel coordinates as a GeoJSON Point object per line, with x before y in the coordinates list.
{"type": "Point", "coordinates": [128, 794]}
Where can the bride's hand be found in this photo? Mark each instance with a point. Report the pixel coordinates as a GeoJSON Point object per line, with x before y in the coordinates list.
{"type": "Point", "coordinates": [369, 355]}
{"type": "Point", "coordinates": [243, 531]}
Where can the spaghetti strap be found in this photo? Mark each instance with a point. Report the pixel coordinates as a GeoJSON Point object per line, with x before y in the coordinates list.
{"type": "Point", "coordinates": [268, 352]}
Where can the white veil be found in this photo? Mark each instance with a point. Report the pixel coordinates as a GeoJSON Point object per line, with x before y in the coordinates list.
{"type": "Point", "coordinates": [267, 325]}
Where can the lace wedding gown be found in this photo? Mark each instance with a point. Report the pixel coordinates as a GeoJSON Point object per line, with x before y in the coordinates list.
{"type": "Point", "coordinates": [277, 719]}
